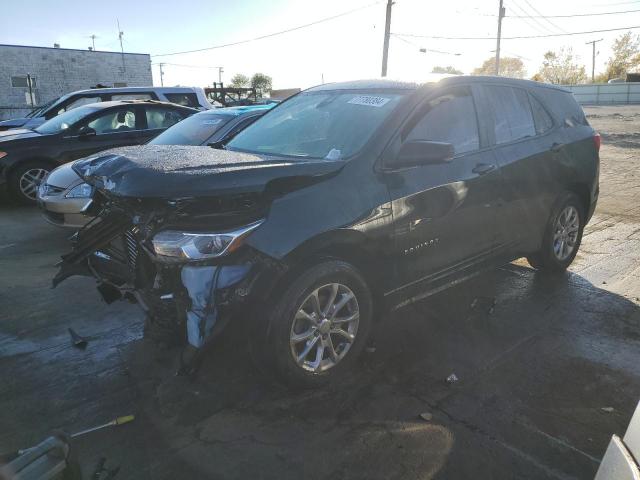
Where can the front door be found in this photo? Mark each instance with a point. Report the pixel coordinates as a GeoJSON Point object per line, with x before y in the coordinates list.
{"type": "Point", "coordinates": [115, 127]}
{"type": "Point", "coordinates": [444, 214]}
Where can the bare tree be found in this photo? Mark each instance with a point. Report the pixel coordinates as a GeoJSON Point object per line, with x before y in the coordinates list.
{"type": "Point", "coordinates": [447, 69]}
{"type": "Point", "coordinates": [625, 56]}
{"type": "Point", "coordinates": [239, 80]}
{"type": "Point", "coordinates": [509, 67]}
{"type": "Point", "coordinates": [561, 68]}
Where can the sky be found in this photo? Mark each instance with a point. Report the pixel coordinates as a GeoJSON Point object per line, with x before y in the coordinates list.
{"type": "Point", "coordinates": [344, 48]}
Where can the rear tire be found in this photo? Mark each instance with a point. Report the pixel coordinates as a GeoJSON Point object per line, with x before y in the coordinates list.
{"type": "Point", "coordinates": [318, 325]}
{"type": "Point", "coordinates": [562, 236]}
{"type": "Point", "coordinates": [25, 178]}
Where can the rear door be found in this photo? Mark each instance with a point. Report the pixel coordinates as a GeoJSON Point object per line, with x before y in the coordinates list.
{"type": "Point", "coordinates": [444, 214]}
{"type": "Point", "coordinates": [158, 118]}
{"type": "Point", "coordinates": [527, 145]}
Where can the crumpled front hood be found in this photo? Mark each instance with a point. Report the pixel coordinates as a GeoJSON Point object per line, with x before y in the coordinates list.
{"type": "Point", "coordinates": [172, 171]}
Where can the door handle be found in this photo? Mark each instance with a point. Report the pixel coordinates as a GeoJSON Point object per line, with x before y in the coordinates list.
{"type": "Point", "coordinates": [556, 147]}
{"type": "Point", "coordinates": [483, 168]}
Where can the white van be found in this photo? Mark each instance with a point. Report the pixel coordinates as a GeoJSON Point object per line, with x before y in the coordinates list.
{"type": "Point", "coordinates": [187, 96]}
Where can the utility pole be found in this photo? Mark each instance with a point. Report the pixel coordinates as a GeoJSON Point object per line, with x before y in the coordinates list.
{"type": "Point", "coordinates": [220, 70]}
{"type": "Point", "coordinates": [30, 85]}
{"type": "Point", "coordinates": [593, 58]}
{"type": "Point", "coordinates": [93, 41]}
{"type": "Point", "coordinates": [501, 12]}
{"type": "Point", "coordinates": [120, 34]}
{"type": "Point", "coordinates": [387, 34]}
{"type": "Point", "coordinates": [161, 75]}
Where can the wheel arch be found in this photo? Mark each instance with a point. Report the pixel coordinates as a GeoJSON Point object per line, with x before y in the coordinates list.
{"type": "Point", "coordinates": [37, 158]}
{"type": "Point", "coordinates": [346, 245]}
{"type": "Point", "coordinates": [583, 193]}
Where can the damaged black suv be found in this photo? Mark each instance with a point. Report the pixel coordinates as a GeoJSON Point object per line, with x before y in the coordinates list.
{"type": "Point", "coordinates": [340, 203]}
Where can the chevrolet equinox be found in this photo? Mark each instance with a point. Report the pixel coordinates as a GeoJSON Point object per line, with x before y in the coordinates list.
{"type": "Point", "coordinates": [341, 202]}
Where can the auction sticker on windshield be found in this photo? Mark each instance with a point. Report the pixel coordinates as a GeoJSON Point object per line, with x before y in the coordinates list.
{"type": "Point", "coordinates": [369, 100]}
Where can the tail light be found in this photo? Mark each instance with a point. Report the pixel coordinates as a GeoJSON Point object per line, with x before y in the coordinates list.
{"type": "Point", "coordinates": [597, 141]}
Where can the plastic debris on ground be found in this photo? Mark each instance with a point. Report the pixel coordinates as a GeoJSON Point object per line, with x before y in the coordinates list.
{"type": "Point", "coordinates": [77, 340]}
{"type": "Point", "coordinates": [453, 378]}
{"type": "Point", "coordinates": [426, 416]}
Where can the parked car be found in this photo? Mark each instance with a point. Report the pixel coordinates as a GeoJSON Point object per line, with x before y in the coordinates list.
{"type": "Point", "coordinates": [27, 156]}
{"type": "Point", "coordinates": [63, 196]}
{"type": "Point", "coordinates": [186, 96]}
{"type": "Point", "coordinates": [342, 201]}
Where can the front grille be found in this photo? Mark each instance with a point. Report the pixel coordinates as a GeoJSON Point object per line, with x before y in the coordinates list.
{"type": "Point", "coordinates": [131, 246]}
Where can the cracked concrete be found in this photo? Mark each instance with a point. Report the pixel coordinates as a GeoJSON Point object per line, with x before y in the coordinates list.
{"type": "Point", "coordinates": [535, 369]}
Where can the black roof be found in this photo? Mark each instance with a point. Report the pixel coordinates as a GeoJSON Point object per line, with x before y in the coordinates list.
{"type": "Point", "coordinates": [382, 83]}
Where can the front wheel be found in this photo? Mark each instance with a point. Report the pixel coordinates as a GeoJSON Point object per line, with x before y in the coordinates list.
{"type": "Point", "coordinates": [562, 236]}
{"type": "Point", "coordinates": [25, 179]}
{"type": "Point", "coordinates": [320, 324]}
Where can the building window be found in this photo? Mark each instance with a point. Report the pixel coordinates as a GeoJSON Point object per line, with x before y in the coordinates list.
{"type": "Point", "coordinates": [22, 82]}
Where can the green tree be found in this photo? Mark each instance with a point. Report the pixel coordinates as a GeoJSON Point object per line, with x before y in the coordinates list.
{"type": "Point", "coordinates": [239, 81]}
{"type": "Point", "coordinates": [625, 56]}
{"type": "Point", "coordinates": [561, 67]}
{"type": "Point", "coordinates": [262, 83]}
{"type": "Point", "coordinates": [509, 67]}
{"type": "Point", "coordinates": [447, 69]}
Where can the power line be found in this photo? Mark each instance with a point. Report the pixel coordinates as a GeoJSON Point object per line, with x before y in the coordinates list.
{"type": "Point", "coordinates": [421, 48]}
{"type": "Point", "coordinates": [569, 15]}
{"type": "Point", "coordinates": [185, 66]}
{"type": "Point", "coordinates": [439, 37]}
{"type": "Point", "coordinates": [547, 20]}
{"type": "Point", "coordinates": [528, 19]}
{"type": "Point", "coordinates": [269, 35]}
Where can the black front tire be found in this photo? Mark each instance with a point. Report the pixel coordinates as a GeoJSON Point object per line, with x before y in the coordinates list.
{"type": "Point", "coordinates": [277, 348]}
{"type": "Point", "coordinates": [547, 259]}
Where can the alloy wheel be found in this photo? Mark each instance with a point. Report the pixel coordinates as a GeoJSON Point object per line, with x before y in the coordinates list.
{"type": "Point", "coordinates": [324, 327]}
{"type": "Point", "coordinates": [566, 229]}
{"type": "Point", "coordinates": [30, 180]}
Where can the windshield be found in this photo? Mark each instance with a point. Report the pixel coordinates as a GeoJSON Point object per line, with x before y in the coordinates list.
{"type": "Point", "coordinates": [194, 130]}
{"type": "Point", "coordinates": [65, 120]}
{"type": "Point", "coordinates": [37, 112]}
{"type": "Point", "coordinates": [327, 124]}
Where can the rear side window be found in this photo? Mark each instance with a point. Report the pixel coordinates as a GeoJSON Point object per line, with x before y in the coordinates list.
{"type": "Point", "coordinates": [132, 96]}
{"type": "Point", "coordinates": [542, 119]}
{"type": "Point", "coordinates": [185, 99]}
{"type": "Point", "coordinates": [449, 118]}
{"type": "Point", "coordinates": [513, 117]}
{"type": "Point", "coordinates": [162, 118]}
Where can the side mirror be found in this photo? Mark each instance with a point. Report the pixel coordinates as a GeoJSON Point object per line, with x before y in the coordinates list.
{"type": "Point", "coordinates": [86, 132]}
{"type": "Point", "coordinates": [423, 152]}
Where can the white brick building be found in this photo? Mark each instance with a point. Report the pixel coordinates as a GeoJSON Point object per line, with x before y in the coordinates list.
{"type": "Point", "coordinates": [56, 71]}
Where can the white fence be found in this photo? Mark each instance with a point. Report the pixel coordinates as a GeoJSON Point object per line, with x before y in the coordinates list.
{"type": "Point", "coordinates": [606, 93]}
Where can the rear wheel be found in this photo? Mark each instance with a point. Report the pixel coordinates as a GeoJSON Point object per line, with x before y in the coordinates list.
{"type": "Point", "coordinates": [320, 324]}
{"type": "Point", "coordinates": [25, 179]}
{"type": "Point", "coordinates": [562, 236]}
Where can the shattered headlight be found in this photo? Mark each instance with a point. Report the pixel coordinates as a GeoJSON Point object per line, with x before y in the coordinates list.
{"type": "Point", "coordinates": [80, 191]}
{"type": "Point", "coordinates": [199, 245]}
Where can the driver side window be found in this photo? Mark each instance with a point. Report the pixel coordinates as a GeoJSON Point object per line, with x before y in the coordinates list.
{"type": "Point", "coordinates": [114, 121]}
{"type": "Point", "coordinates": [449, 118]}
